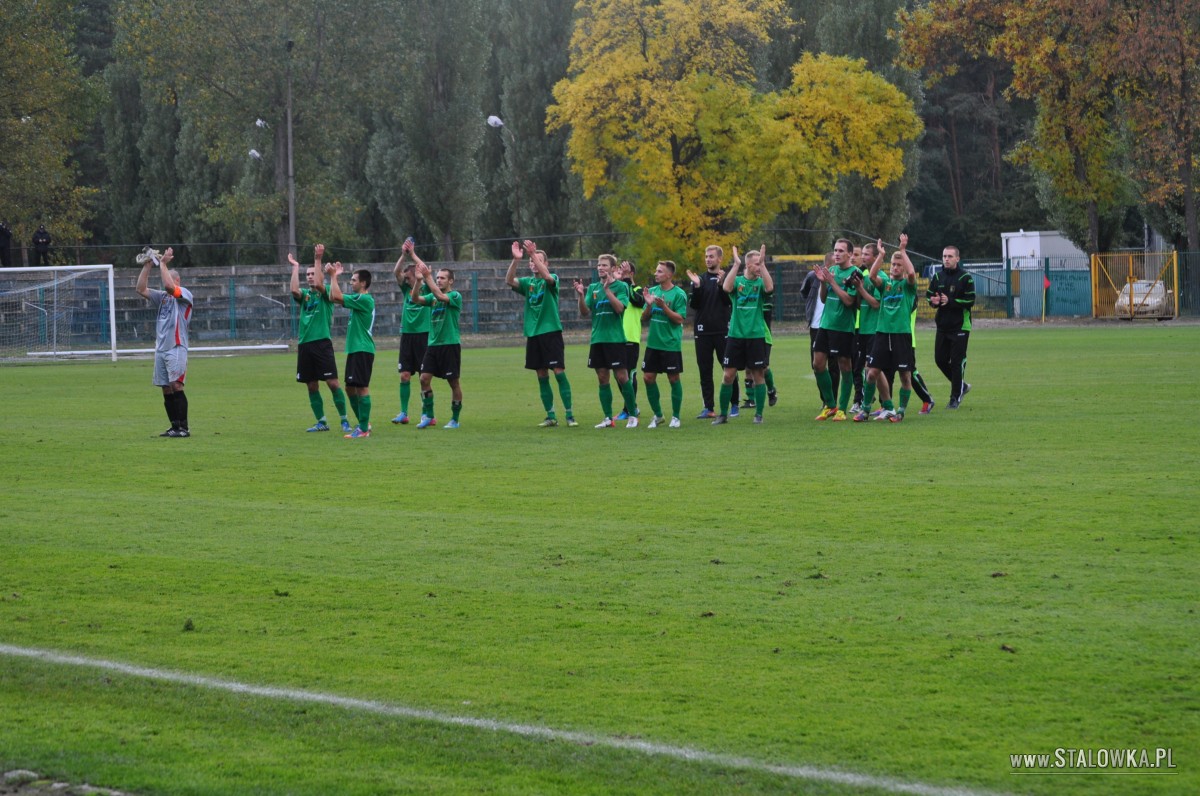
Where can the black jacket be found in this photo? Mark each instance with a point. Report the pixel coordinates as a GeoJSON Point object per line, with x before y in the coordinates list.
{"type": "Point", "coordinates": [959, 287]}
{"type": "Point", "coordinates": [712, 305]}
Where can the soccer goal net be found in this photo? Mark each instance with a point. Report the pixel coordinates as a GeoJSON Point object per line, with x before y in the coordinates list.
{"type": "Point", "coordinates": [57, 311]}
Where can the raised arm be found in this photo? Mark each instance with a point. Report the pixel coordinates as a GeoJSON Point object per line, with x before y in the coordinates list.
{"type": "Point", "coordinates": [731, 276]}
{"type": "Point", "coordinates": [143, 281]}
{"type": "Point", "coordinates": [398, 269]}
{"type": "Point", "coordinates": [873, 275]}
{"type": "Point", "coordinates": [540, 266]}
{"type": "Point", "coordinates": [768, 280]}
{"type": "Point", "coordinates": [164, 271]}
{"type": "Point", "coordinates": [335, 290]}
{"type": "Point", "coordinates": [432, 284]}
{"type": "Point", "coordinates": [295, 282]}
{"type": "Point", "coordinates": [510, 278]}
{"type": "Point", "coordinates": [580, 290]}
{"type": "Point", "coordinates": [910, 273]}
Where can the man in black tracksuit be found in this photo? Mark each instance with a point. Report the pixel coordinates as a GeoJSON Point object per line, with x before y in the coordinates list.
{"type": "Point", "coordinates": [952, 292]}
{"type": "Point", "coordinates": [712, 307]}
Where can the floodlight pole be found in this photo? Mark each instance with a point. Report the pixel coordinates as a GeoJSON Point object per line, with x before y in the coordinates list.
{"type": "Point", "coordinates": [291, 173]}
{"type": "Point", "coordinates": [498, 123]}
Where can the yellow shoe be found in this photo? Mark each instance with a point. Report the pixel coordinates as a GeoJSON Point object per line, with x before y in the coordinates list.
{"type": "Point", "coordinates": [826, 413]}
{"type": "Point", "coordinates": [838, 415]}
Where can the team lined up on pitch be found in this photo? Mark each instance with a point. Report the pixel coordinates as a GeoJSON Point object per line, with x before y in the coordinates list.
{"type": "Point", "coordinates": [861, 317]}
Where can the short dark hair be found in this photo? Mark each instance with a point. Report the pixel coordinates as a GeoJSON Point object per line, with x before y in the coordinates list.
{"type": "Point", "coordinates": [449, 272]}
{"type": "Point", "coordinates": [364, 277]}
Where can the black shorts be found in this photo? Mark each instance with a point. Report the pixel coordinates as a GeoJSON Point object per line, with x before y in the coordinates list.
{"type": "Point", "coordinates": [315, 361]}
{"type": "Point", "coordinates": [606, 356]}
{"type": "Point", "coordinates": [834, 344]}
{"type": "Point", "coordinates": [657, 361]}
{"type": "Point", "coordinates": [742, 353]}
{"type": "Point", "coordinates": [891, 352]}
{"type": "Point", "coordinates": [443, 361]}
{"type": "Point", "coordinates": [632, 350]}
{"type": "Point", "coordinates": [412, 351]}
{"type": "Point", "coordinates": [545, 352]}
{"type": "Point", "coordinates": [358, 369]}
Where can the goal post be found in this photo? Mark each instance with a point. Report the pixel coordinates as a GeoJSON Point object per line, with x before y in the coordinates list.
{"type": "Point", "coordinates": [57, 311]}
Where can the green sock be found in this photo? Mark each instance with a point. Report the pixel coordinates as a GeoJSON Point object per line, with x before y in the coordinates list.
{"type": "Point", "coordinates": [364, 412]}
{"type": "Point", "coordinates": [630, 398]}
{"type": "Point", "coordinates": [547, 395]}
{"type": "Point", "coordinates": [904, 396]}
{"type": "Point", "coordinates": [825, 387]}
{"type": "Point", "coordinates": [868, 396]}
{"type": "Point", "coordinates": [354, 399]}
{"type": "Point", "coordinates": [455, 408]}
{"type": "Point", "coordinates": [564, 391]}
{"type": "Point", "coordinates": [405, 394]}
{"type": "Point", "coordinates": [606, 396]}
{"type": "Point", "coordinates": [845, 391]}
{"type": "Point", "coordinates": [770, 381]}
{"type": "Point", "coordinates": [887, 405]}
{"type": "Point", "coordinates": [427, 403]}
{"type": "Point", "coordinates": [339, 400]}
{"type": "Point", "coordinates": [726, 394]}
{"type": "Point", "coordinates": [652, 396]}
{"type": "Point", "coordinates": [318, 406]}
{"type": "Point", "coordinates": [676, 397]}
{"type": "Point", "coordinates": [760, 398]}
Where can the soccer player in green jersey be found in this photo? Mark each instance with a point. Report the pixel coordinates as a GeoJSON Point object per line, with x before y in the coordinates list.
{"type": "Point", "coordinates": [747, 346]}
{"type": "Point", "coordinates": [892, 346]}
{"type": "Point", "coordinates": [360, 343]}
{"type": "Point", "coordinates": [605, 300]}
{"type": "Point", "coordinates": [835, 338]}
{"type": "Point", "coordinates": [315, 360]}
{"type": "Point", "coordinates": [632, 322]}
{"type": "Point", "coordinates": [868, 319]}
{"type": "Point", "coordinates": [414, 328]}
{"type": "Point", "coordinates": [666, 306]}
{"type": "Point", "coordinates": [544, 348]}
{"type": "Point", "coordinates": [443, 358]}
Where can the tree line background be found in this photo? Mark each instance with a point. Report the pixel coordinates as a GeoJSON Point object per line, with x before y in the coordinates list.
{"type": "Point", "coordinates": [132, 121]}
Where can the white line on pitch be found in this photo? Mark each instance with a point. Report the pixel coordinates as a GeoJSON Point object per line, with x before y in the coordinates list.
{"type": "Point", "coordinates": [811, 773]}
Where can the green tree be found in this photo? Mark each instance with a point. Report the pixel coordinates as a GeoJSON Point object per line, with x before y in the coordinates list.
{"type": "Point", "coordinates": [667, 124]}
{"type": "Point", "coordinates": [45, 103]}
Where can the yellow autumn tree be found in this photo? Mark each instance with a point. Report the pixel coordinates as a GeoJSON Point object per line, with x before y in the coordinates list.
{"type": "Point", "coordinates": [668, 128]}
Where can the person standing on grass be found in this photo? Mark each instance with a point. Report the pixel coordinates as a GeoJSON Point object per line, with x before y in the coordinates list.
{"type": "Point", "coordinates": [544, 348]}
{"type": "Point", "coordinates": [814, 308]}
{"type": "Point", "coordinates": [414, 328]}
{"type": "Point", "coordinates": [747, 347]}
{"type": "Point", "coordinates": [868, 321]}
{"type": "Point", "coordinates": [835, 338]}
{"type": "Point", "coordinates": [315, 360]}
{"type": "Point", "coordinates": [174, 303]}
{"type": "Point", "coordinates": [360, 343]}
{"type": "Point", "coordinates": [632, 323]}
{"type": "Point", "coordinates": [666, 306]}
{"type": "Point", "coordinates": [710, 324]}
{"type": "Point", "coordinates": [443, 357]}
{"type": "Point", "coordinates": [892, 345]}
{"type": "Point", "coordinates": [605, 300]}
{"type": "Point", "coordinates": [952, 293]}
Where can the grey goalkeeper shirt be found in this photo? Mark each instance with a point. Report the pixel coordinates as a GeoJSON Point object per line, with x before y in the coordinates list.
{"type": "Point", "coordinates": [174, 315]}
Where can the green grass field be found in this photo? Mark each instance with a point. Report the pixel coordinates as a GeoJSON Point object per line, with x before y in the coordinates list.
{"type": "Point", "coordinates": [913, 602]}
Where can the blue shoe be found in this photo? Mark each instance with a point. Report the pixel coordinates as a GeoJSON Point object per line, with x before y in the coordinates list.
{"type": "Point", "coordinates": [346, 426]}
{"type": "Point", "coordinates": [426, 422]}
{"type": "Point", "coordinates": [320, 426]}
{"type": "Point", "coordinates": [733, 411]}
{"type": "Point", "coordinates": [358, 433]}
{"type": "Point", "coordinates": [623, 416]}
{"type": "Point", "coordinates": [706, 414]}
{"type": "Point", "coordinates": [401, 418]}
{"type": "Point", "coordinates": [451, 424]}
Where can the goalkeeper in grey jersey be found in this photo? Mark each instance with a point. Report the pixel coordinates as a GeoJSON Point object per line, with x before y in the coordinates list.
{"type": "Point", "coordinates": [174, 306]}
